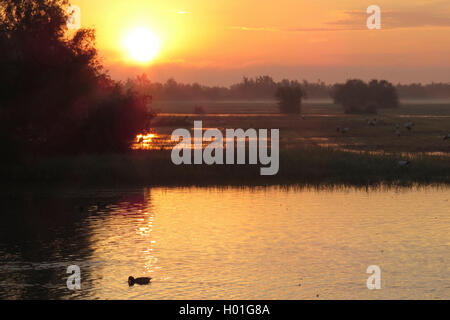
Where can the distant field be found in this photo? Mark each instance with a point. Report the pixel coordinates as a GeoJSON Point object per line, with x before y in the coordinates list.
{"type": "Point", "coordinates": [321, 121]}
{"type": "Point", "coordinates": [313, 151]}
{"type": "Point", "coordinates": [243, 106]}
{"type": "Point", "coordinates": [322, 106]}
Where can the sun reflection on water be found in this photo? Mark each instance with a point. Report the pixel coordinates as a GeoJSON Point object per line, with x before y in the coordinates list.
{"type": "Point", "coordinates": [159, 141]}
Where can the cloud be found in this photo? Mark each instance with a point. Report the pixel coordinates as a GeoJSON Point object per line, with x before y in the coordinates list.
{"type": "Point", "coordinates": [435, 14]}
{"type": "Point", "coordinates": [245, 28]}
{"type": "Point", "coordinates": [338, 28]}
{"type": "Point", "coordinates": [274, 29]}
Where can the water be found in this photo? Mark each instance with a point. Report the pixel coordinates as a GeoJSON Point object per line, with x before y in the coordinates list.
{"type": "Point", "coordinates": [231, 243]}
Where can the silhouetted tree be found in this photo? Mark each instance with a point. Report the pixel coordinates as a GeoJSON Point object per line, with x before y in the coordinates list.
{"type": "Point", "coordinates": [44, 73]}
{"type": "Point", "coordinates": [51, 80]}
{"type": "Point", "coordinates": [383, 94]}
{"type": "Point", "coordinates": [353, 95]}
{"type": "Point", "coordinates": [358, 97]}
{"type": "Point", "coordinates": [114, 122]}
{"type": "Point", "coordinates": [289, 96]}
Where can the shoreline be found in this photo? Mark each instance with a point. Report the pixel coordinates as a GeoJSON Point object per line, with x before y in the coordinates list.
{"type": "Point", "coordinates": [307, 166]}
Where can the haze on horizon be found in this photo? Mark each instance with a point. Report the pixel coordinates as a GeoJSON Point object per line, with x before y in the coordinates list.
{"type": "Point", "coordinates": [218, 43]}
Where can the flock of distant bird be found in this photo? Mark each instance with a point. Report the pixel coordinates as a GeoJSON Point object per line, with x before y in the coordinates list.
{"type": "Point", "coordinates": [373, 122]}
{"type": "Point", "coordinates": [409, 125]}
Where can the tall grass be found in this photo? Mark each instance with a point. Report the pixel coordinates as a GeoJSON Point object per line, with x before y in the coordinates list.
{"type": "Point", "coordinates": [307, 165]}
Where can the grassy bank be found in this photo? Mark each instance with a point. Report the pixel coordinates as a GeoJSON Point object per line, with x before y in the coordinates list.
{"type": "Point", "coordinates": [313, 151]}
{"type": "Point", "coordinates": [306, 166]}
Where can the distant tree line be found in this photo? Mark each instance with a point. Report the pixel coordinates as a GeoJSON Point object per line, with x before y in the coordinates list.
{"type": "Point", "coordinates": [421, 91]}
{"type": "Point", "coordinates": [265, 87]}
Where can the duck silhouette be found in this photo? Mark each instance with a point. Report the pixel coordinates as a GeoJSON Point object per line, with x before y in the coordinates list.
{"type": "Point", "coordinates": [140, 281]}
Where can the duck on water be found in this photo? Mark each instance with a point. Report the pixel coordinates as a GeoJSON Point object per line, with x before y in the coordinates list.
{"type": "Point", "coordinates": [140, 281]}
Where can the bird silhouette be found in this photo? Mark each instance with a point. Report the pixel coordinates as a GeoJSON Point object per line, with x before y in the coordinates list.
{"type": "Point", "coordinates": [140, 281]}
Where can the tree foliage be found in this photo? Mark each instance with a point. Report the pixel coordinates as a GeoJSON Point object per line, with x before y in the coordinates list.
{"type": "Point", "coordinates": [289, 96]}
{"type": "Point", "coordinates": [383, 93]}
{"type": "Point", "coordinates": [52, 83]}
{"type": "Point", "coordinates": [356, 96]}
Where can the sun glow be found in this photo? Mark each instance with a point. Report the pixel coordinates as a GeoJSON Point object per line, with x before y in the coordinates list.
{"type": "Point", "coordinates": [142, 45]}
{"type": "Point", "coordinates": [145, 139]}
{"type": "Point", "coordinates": [144, 142]}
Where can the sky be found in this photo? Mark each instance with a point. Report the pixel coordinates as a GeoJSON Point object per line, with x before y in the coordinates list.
{"type": "Point", "coordinates": [218, 42]}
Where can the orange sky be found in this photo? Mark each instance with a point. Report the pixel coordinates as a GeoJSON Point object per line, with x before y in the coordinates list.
{"type": "Point", "coordinates": [218, 42]}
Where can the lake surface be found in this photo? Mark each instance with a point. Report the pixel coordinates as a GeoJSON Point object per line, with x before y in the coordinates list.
{"type": "Point", "coordinates": [226, 243]}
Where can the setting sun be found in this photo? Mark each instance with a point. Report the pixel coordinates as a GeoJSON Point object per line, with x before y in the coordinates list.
{"type": "Point", "coordinates": [142, 45]}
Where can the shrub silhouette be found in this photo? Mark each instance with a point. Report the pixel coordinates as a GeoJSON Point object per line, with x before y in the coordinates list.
{"type": "Point", "coordinates": [353, 95]}
{"type": "Point", "coordinates": [383, 93]}
{"type": "Point", "coordinates": [114, 122]}
{"type": "Point", "coordinates": [289, 97]}
{"type": "Point", "coordinates": [358, 97]}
